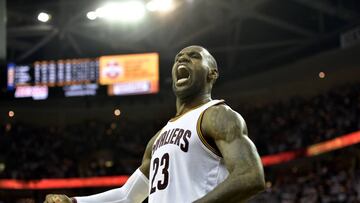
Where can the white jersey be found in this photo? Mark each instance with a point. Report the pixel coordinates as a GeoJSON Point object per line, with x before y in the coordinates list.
{"type": "Point", "coordinates": [184, 167]}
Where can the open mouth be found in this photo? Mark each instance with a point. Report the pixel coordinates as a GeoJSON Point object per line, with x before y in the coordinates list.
{"type": "Point", "coordinates": [182, 75]}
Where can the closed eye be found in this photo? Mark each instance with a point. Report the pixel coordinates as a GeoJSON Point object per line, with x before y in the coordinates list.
{"type": "Point", "coordinates": [195, 55]}
{"type": "Point", "coordinates": [177, 57]}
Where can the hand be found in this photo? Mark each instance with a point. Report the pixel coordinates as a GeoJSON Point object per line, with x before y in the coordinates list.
{"type": "Point", "coordinates": [56, 198]}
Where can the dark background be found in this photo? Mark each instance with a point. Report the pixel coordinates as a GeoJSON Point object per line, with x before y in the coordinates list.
{"type": "Point", "coordinates": [269, 53]}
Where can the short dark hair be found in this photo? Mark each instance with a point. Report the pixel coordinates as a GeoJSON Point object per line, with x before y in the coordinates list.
{"type": "Point", "coordinates": [209, 57]}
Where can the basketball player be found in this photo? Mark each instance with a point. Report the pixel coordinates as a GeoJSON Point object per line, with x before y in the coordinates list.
{"type": "Point", "coordinates": [203, 154]}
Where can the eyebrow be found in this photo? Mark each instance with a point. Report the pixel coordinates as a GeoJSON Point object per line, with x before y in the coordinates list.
{"type": "Point", "coordinates": [189, 53]}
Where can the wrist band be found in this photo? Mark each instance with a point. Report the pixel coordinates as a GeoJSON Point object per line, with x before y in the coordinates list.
{"type": "Point", "coordinates": [135, 189]}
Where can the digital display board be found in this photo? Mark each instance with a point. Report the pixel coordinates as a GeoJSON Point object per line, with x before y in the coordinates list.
{"type": "Point", "coordinates": [11, 76]}
{"type": "Point", "coordinates": [35, 92]}
{"type": "Point", "coordinates": [54, 73]}
{"type": "Point", "coordinates": [121, 74]}
{"type": "Point", "coordinates": [131, 73]}
{"type": "Point", "coordinates": [66, 72]}
{"type": "Point", "coordinates": [80, 90]}
{"type": "Point", "coordinates": [127, 88]}
{"type": "Point", "coordinates": [132, 68]}
{"type": "Point", "coordinates": [18, 75]}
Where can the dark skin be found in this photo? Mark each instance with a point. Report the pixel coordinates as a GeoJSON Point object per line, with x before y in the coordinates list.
{"type": "Point", "coordinates": [246, 177]}
{"type": "Point", "coordinates": [220, 123]}
{"type": "Point", "coordinates": [225, 126]}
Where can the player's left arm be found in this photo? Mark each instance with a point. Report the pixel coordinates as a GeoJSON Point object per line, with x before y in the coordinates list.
{"type": "Point", "coordinates": [246, 175]}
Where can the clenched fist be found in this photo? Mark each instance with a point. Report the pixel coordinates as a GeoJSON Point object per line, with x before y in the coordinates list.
{"type": "Point", "coordinates": [55, 198]}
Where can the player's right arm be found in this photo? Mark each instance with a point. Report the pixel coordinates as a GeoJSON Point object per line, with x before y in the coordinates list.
{"type": "Point", "coordinates": [135, 189]}
{"type": "Point", "coordinates": [145, 164]}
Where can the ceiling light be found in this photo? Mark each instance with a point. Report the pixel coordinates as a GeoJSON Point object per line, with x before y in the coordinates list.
{"type": "Point", "coordinates": [123, 11]}
{"type": "Point", "coordinates": [43, 17]}
{"type": "Point", "coordinates": [91, 15]}
{"type": "Point", "coordinates": [11, 114]}
{"type": "Point", "coordinates": [117, 112]}
{"type": "Point", "coordinates": [160, 5]}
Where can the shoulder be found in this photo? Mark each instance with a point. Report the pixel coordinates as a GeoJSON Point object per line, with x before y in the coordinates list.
{"type": "Point", "coordinates": [154, 138]}
{"type": "Point", "coordinates": [151, 143]}
{"type": "Point", "coordinates": [221, 120]}
{"type": "Point", "coordinates": [220, 110]}
{"type": "Point", "coordinates": [224, 113]}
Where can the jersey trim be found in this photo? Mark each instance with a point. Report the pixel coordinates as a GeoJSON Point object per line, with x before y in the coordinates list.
{"type": "Point", "coordinates": [179, 116]}
{"type": "Point", "coordinates": [157, 137]}
{"type": "Point", "coordinates": [201, 136]}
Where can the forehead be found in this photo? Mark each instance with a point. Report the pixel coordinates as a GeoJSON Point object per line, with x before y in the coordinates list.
{"type": "Point", "coordinates": [192, 49]}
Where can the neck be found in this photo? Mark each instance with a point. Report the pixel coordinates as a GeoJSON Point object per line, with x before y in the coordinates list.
{"type": "Point", "coordinates": [183, 105]}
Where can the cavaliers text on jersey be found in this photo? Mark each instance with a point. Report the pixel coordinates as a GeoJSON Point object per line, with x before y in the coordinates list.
{"type": "Point", "coordinates": [184, 167]}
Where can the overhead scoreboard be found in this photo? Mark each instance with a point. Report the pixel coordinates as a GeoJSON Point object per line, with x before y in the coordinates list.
{"type": "Point", "coordinates": [66, 72]}
{"type": "Point", "coordinates": [122, 74]}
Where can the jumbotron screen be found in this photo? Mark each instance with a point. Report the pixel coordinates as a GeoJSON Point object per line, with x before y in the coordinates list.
{"type": "Point", "coordinates": [120, 74]}
{"type": "Point", "coordinates": [129, 74]}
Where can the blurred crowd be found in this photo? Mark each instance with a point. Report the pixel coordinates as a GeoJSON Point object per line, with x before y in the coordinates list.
{"type": "Point", "coordinates": [333, 178]}
{"type": "Point", "coordinates": [79, 150]}
{"type": "Point", "coordinates": [300, 122]}
{"type": "Point", "coordinates": [95, 148]}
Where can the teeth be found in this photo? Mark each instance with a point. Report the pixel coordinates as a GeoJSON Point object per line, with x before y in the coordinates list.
{"type": "Point", "coordinates": [182, 71]}
{"type": "Point", "coordinates": [182, 80]}
{"type": "Point", "coordinates": [183, 75]}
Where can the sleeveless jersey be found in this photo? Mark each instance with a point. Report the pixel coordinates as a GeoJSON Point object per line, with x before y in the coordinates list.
{"type": "Point", "coordinates": [184, 167]}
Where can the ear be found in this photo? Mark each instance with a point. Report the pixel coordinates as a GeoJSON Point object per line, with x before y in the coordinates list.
{"type": "Point", "coordinates": [213, 75]}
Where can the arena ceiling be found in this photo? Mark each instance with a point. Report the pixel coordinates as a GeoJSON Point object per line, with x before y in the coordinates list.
{"type": "Point", "coordinates": [244, 35]}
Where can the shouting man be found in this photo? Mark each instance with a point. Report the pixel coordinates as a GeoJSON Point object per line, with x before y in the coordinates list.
{"type": "Point", "coordinates": [203, 154]}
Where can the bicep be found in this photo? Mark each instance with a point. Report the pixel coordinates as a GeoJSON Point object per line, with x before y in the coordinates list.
{"type": "Point", "coordinates": [240, 153]}
{"type": "Point", "coordinates": [229, 131]}
{"type": "Point", "coordinates": [145, 164]}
